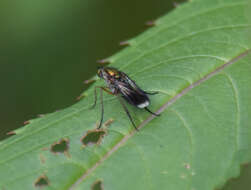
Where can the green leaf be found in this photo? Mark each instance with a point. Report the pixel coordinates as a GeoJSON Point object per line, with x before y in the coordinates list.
{"type": "Point", "coordinates": [198, 58]}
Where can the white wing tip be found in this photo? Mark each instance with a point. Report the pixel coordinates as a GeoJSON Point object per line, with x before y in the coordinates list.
{"type": "Point", "coordinates": [143, 105]}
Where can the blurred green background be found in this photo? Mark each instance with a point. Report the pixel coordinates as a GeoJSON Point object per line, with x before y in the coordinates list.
{"type": "Point", "coordinates": [48, 48]}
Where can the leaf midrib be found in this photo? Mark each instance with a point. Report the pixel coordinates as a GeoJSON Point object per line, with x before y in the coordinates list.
{"type": "Point", "coordinates": [160, 110]}
{"type": "Point", "coordinates": [141, 55]}
{"type": "Point", "coordinates": [176, 40]}
{"type": "Point", "coordinates": [84, 108]}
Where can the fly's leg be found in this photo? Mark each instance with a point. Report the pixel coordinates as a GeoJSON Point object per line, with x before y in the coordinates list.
{"type": "Point", "coordinates": [151, 93]}
{"type": "Point", "coordinates": [95, 94]}
{"type": "Point", "coordinates": [95, 97]}
{"type": "Point", "coordinates": [102, 108]}
{"type": "Point", "coordinates": [101, 101]}
{"type": "Point", "coordinates": [127, 112]}
{"type": "Point", "coordinates": [151, 112]}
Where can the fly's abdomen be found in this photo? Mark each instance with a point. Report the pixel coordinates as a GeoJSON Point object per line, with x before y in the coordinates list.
{"type": "Point", "coordinates": [137, 99]}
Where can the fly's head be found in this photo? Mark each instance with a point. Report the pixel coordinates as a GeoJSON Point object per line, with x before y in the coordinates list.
{"type": "Point", "coordinates": [101, 71]}
{"type": "Point", "coordinates": [109, 74]}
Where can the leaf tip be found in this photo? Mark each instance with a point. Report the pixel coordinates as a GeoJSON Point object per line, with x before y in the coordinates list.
{"type": "Point", "coordinates": [40, 115]}
{"type": "Point", "coordinates": [150, 23]}
{"type": "Point", "coordinates": [89, 81]}
{"type": "Point", "coordinates": [11, 133]}
{"type": "Point", "coordinates": [124, 43]}
{"type": "Point", "coordinates": [81, 96]}
{"type": "Point", "coordinates": [103, 61]}
{"type": "Point", "coordinates": [27, 122]}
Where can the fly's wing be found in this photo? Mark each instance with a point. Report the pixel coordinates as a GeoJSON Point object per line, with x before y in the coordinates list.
{"type": "Point", "coordinates": [132, 93]}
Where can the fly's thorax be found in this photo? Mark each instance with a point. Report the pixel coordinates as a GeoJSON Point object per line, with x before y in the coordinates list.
{"type": "Point", "coordinates": [109, 83]}
{"type": "Point", "coordinates": [112, 87]}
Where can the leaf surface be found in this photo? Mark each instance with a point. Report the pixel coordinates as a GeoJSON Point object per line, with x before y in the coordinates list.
{"type": "Point", "coordinates": [198, 58]}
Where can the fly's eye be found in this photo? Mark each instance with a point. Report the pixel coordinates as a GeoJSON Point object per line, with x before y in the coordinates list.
{"type": "Point", "coordinates": [100, 74]}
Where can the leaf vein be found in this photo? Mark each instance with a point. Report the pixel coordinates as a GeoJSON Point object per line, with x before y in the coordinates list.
{"type": "Point", "coordinates": [189, 18]}
{"type": "Point", "coordinates": [183, 38]}
{"type": "Point", "coordinates": [190, 135]}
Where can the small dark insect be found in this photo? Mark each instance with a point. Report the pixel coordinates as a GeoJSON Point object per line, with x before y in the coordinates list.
{"type": "Point", "coordinates": [120, 85]}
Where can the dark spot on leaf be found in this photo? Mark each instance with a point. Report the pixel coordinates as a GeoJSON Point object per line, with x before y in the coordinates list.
{"type": "Point", "coordinates": [61, 146]}
{"type": "Point", "coordinates": [183, 176]}
{"type": "Point", "coordinates": [42, 158]}
{"type": "Point", "coordinates": [97, 185]}
{"type": "Point", "coordinates": [124, 43]}
{"type": "Point", "coordinates": [187, 166]}
{"type": "Point", "coordinates": [44, 148]}
{"type": "Point", "coordinates": [11, 133]}
{"type": "Point", "coordinates": [42, 181]}
{"type": "Point", "coordinates": [109, 122]}
{"type": "Point", "coordinates": [93, 137]}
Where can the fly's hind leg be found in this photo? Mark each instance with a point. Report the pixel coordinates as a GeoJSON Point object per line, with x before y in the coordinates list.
{"type": "Point", "coordinates": [151, 93]}
{"type": "Point", "coordinates": [151, 112]}
{"type": "Point", "coordinates": [127, 112]}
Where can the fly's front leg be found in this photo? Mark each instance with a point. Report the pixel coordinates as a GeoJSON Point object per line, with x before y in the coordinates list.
{"type": "Point", "coordinates": [101, 101]}
{"type": "Point", "coordinates": [151, 93]}
{"type": "Point", "coordinates": [95, 94]}
{"type": "Point", "coordinates": [102, 108]}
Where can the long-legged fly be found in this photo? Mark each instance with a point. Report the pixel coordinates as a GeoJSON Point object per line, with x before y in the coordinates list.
{"type": "Point", "coordinates": [120, 85]}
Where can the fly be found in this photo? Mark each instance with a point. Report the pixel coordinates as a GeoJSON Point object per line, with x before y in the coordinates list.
{"type": "Point", "coordinates": [120, 85]}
